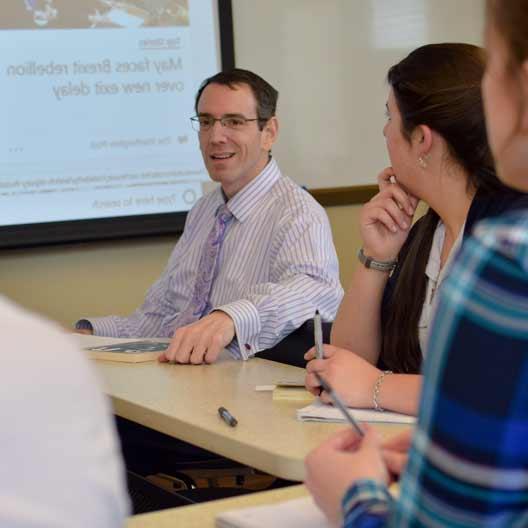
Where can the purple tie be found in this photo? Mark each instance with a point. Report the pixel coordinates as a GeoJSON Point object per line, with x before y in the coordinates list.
{"type": "Point", "coordinates": [199, 303]}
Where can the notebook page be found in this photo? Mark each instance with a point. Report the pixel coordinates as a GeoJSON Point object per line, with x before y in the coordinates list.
{"type": "Point", "coordinates": [322, 412]}
{"type": "Point", "coordinates": [296, 513]}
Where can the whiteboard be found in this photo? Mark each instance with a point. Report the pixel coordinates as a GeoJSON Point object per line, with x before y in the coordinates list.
{"type": "Point", "coordinates": [329, 60]}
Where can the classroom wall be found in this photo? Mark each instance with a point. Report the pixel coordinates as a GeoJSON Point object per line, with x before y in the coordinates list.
{"type": "Point", "coordinates": [65, 282]}
{"type": "Point", "coordinates": [329, 60]}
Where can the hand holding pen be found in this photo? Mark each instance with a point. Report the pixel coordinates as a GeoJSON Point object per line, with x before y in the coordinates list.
{"type": "Point", "coordinates": [336, 400]}
{"type": "Point", "coordinates": [351, 376]}
{"type": "Point", "coordinates": [317, 352]}
{"type": "Point", "coordinates": [341, 460]}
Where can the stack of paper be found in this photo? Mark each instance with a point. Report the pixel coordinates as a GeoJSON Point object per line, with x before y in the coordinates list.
{"type": "Point", "coordinates": [322, 412]}
{"type": "Point", "coordinates": [297, 513]}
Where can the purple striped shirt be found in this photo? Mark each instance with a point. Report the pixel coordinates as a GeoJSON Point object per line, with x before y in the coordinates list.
{"type": "Point", "coordinates": [277, 265]}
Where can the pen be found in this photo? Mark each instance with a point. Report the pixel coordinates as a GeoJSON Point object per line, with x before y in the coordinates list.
{"type": "Point", "coordinates": [228, 418]}
{"type": "Point", "coordinates": [318, 336]}
{"type": "Point", "coordinates": [339, 404]}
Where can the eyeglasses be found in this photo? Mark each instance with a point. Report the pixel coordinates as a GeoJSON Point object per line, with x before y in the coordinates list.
{"type": "Point", "coordinates": [204, 123]}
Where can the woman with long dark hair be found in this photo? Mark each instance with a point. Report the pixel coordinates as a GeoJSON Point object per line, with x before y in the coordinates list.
{"type": "Point", "coordinates": [437, 144]}
{"type": "Point", "coordinates": [467, 465]}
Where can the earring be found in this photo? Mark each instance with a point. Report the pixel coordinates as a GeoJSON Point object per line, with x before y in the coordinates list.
{"type": "Point", "coordinates": [422, 162]}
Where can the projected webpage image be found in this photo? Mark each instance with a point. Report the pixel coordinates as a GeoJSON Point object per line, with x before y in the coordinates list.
{"type": "Point", "coordinates": [98, 117]}
{"type": "Point", "coordinates": [71, 14]}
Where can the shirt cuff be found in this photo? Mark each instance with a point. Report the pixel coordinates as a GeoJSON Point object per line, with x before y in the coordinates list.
{"type": "Point", "coordinates": [103, 326]}
{"type": "Point", "coordinates": [83, 324]}
{"type": "Point", "coordinates": [366, 500]}
{"type": "Point", "coordinates": [247, 328]}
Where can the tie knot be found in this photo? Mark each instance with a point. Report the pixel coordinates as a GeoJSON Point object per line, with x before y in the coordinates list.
{"type": "Point", "coordinates": [223, 213]}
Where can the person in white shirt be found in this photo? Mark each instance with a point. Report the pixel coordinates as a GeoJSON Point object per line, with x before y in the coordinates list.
{"type": "Point", "coordinates": [60, 463]}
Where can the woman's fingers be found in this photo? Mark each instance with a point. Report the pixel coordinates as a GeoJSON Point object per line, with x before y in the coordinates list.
{"type": "Point", "coordinates": [385, 178]}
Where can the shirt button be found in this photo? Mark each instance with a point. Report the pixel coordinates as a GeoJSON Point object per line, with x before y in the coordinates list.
{"type": "Point", "coordinates": [248, 346]}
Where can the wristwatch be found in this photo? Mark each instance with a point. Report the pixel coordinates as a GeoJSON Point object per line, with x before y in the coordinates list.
{"type": "Point", "coordinates": [378, 265]}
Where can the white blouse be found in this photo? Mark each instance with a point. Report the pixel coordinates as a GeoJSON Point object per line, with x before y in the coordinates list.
{"type": "Point", "coordinates": [435, 277]}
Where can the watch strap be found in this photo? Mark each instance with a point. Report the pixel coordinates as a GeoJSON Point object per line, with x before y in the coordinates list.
{"type": "Point", "coordinates": [378, 265]}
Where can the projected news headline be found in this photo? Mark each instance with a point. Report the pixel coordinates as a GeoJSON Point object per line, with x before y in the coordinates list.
{"type": "Point", "coordinates": [98, 115]}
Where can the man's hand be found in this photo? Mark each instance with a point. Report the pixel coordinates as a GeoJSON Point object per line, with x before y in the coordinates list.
{"type": "Point", "coordinates": [336, 464]}
{"type": "Point", "coordinates": [202, 341]}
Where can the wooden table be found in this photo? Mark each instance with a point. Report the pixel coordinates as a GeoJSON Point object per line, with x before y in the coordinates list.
{"type": "Point", "coordinates": [203, 515]}
{"type": "Point", "coordinates": [183, 400]}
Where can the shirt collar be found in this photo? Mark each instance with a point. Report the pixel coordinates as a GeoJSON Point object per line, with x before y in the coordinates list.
{"type": "Point", "coordinates": [218, 198]}
{"type": "Point", "coordinates": [245, 200]}
{"type": "Point", "coordinates": [432, 269]}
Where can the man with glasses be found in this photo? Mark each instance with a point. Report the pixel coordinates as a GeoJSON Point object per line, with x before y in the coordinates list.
{"type": "Point", "coordinates": [256, 257]}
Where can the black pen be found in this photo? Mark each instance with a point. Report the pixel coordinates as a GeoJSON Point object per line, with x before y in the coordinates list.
{"type": "Point", "coordinates": [228, 418]}
{"type": "Point", "coordinates": [318, 335]}
{"type": "Point", "coordinates": [339, 404]}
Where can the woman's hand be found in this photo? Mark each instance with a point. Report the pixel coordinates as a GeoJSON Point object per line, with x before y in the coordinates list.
{"type": "Point", "coordinates": [386, 219]}
{"type": "Point", "coordinates": [352, 377]}
{"type": "Point", "coordinates": [336, 464]}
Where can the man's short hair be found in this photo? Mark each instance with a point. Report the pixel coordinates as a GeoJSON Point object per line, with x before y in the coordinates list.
{"type": "Point", "coordinates": [265, 95]}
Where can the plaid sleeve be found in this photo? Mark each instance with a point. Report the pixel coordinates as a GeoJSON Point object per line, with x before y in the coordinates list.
{"type": "Point", "coordinates": [366, 504]}
{"type": "Point", "coordinates": [468, 465]}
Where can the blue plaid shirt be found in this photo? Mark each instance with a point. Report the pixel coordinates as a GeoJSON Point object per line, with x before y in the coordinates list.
{"type": "Point", "coordinates": [468, 465]}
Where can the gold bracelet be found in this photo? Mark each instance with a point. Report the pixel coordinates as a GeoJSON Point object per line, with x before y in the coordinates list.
{"type": "Point", "coordinates": [377, 389]}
